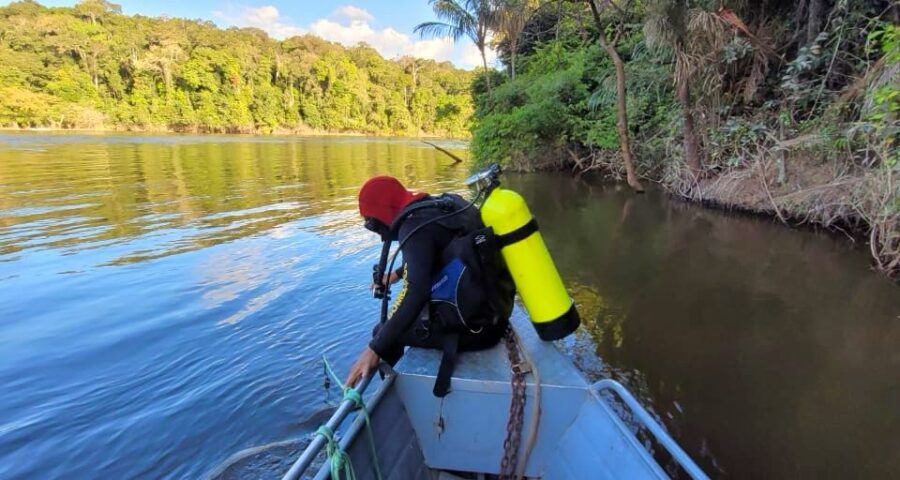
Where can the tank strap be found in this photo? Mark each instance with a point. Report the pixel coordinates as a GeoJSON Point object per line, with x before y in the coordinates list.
{"type": "Point", "coordinates": [518, 234]}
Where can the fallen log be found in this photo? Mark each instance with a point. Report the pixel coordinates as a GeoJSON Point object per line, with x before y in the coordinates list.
{"type": "Point", "coordinates": [455, 158]}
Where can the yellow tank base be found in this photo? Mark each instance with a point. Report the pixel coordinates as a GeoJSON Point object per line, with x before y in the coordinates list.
{"type": "Point", "coordinates": [560, 327]}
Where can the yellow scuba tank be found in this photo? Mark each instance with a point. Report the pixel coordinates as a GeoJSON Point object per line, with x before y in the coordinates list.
{"type": "Point", "coordinates": [538, 283]}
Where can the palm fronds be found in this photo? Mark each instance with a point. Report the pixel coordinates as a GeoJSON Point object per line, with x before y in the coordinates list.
{"type": "Point", "coordinates": [461, 18]}
{"type": "Point", "coordinates": [456, 20]}
{"type": "Point", "coordinates": [439, 30]}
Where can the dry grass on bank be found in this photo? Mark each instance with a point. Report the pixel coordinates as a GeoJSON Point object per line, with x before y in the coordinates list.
{"type": "Point", "coordinates": [859, 202]}
{"type": "Point", "coordinates": [794, 185]}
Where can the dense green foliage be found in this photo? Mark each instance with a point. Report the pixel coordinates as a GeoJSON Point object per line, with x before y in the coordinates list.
{"type": "Point", "coordinates": [92, 67]}
{"type": "Point", "coordinates": [744, 87]}
{"type": "Point", "coordinates": [789, 108]}
{"type": "Point", "coordinates": [563, 98]}
{"type": "Point", "coordinates": [562, 103]}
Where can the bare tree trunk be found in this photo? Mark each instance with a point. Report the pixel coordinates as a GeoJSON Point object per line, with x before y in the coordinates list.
{"type": "Point", "coordinates": [291, 90]}
{"type": "Point", "coordinates": [582, 32]}
{"type": "Point", "coordinates": [814, 23]}
{"type": "Point", "coordinates": [621, 105]}
{"type": "Point", "coordinates": [487, 76]}
{"type": "Point", "coordinates": [622, 116]}
{"type": "Point", "coordinates": [513, 62]}
{"type": "Point", "coordinates": [691, 154]}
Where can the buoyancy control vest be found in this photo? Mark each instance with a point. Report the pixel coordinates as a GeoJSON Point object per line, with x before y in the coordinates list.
{"type": "Point", "coordinates": [473, 288]}
{"type": "Point", "coordinates": [472, 292]}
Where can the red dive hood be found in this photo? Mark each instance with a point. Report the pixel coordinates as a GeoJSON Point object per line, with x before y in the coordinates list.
{"type": "Point", "coordinates": [384, 198]}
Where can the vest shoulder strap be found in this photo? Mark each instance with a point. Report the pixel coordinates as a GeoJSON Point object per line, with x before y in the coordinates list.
{"type": "Point", "coordinates": [442, 201]}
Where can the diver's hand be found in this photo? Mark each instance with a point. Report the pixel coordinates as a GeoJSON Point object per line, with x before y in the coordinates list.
{"type": "Point", "coordinates": [388, 278]}
{"type": "Point", "coordinates": [367, 362]}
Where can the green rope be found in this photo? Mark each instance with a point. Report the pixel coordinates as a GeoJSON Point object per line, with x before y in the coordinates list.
{"type": "Point", "coordinates": [355, 397]}
{"type": "Point", "coordinates": [338, 459]}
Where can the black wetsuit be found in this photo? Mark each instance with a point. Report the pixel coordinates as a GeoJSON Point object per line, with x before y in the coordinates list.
{"type": "Point", "coordinates": [422, 258]}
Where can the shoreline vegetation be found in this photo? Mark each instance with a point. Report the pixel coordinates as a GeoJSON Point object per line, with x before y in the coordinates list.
{"type": "Point", "coordinates": [300, 132]}
{"type": "Point", "coordinates": [783, 109]}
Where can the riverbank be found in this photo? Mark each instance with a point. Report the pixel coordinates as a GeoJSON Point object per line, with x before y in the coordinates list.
{"type": "Point", "coordinates": [857, 205]}
{"type": "Point", "coordinates": [301, 131]}
{"type": "Point", "coordinates": [860, 204]}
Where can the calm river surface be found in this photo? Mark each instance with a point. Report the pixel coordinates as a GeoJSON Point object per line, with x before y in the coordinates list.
{"type": "Point", "coordinates": [165, 302]}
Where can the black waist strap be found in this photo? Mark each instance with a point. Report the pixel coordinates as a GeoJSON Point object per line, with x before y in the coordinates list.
{"type": "Point", "coordinates": [518, 234]}
{"type": "Point", "coordinates": [448, 361]}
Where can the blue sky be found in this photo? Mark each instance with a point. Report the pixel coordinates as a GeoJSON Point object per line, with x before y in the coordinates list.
{"type": "Point", "coordinates": [387, 25]}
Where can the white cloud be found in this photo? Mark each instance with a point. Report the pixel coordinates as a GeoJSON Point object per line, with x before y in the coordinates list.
{"type": "Point", "coordinates": [436, 48]}
{"type": "Point", "coordinates": [352, 13]}
{"type": "Point", "coordinates": [387, 41]}
{"type": "Point", "coordinates": [470, 57]}
{"type": "Point", "coordinates": [266, 18]}
{"type": "Point", "coordinates": [349, 25]}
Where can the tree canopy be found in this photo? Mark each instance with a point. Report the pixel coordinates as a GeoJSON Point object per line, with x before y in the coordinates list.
{"type": "Point", "coordinates": [89, 66]}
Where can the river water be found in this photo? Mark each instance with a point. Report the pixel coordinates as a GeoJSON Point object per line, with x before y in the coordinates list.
{"type": "Point", "coordinates": [165, 302]}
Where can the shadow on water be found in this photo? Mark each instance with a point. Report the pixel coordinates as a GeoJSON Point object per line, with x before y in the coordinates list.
{"type": "Point", "coordinates": [272, 460]}
{"type": "Point", "coordinates": [165, 302]}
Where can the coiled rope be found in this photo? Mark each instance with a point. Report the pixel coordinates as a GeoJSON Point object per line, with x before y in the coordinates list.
{"type": "Point", "coordinates": [339, 461]}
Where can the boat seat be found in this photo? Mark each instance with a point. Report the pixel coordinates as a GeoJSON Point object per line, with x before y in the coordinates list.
{"type": "Point", "coordinates": [579, 434]}
{"type": "Point", "coordinates": [465, 430]}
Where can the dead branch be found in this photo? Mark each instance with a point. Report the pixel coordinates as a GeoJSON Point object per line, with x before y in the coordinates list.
{"type": "Point", "coordinates": [873, 245]}
{"type": "Point", "coordinates": [455, 158]}
{"type": "Point", "coordinates": [860, 83]}
{"type": "Point", "coordinates": [765, 184]}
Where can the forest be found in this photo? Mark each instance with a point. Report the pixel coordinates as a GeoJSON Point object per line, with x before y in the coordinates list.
{"type": "Point", "coordinates": [782, 108]}
{"type": "Point", "coordinates": [91, 67]}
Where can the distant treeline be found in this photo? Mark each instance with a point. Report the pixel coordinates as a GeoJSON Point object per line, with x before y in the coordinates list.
{"type": "Point", "coordinates": [92, 67]}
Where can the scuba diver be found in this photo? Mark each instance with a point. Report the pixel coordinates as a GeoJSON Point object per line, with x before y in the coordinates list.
{"type": "Point", "coordinates": [454, 297]}
{"type": "Point", "coordinates": [462, 266]}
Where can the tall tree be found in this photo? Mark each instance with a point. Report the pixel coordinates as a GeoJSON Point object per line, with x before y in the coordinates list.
{"type": "Point", "coordinates": [666, 26]}
{"type": "Point", "coordinates": [96, 9]}
{"type": "Point", "coordinates": [621, 97]}
{"type": "Point", "coordinates": [458, 19]}
{"type": "Point", "coordinates": [511, 18]}
{"type": "Point", "coordinates": [814, 23]}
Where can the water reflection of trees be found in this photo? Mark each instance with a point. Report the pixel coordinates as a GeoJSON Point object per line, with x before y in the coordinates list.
{"type": "Point", "coordinates": [601, 320]}
{"type": "Point", "coordinates": [162, 198]}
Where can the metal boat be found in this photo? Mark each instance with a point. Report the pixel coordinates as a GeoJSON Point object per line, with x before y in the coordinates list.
{"type": "Point", "coordinates": [583, 430]}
